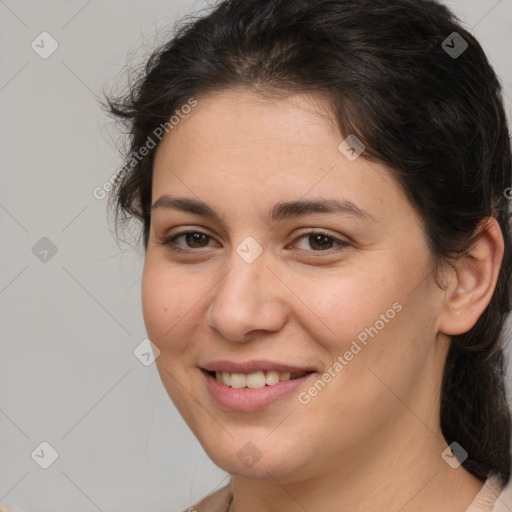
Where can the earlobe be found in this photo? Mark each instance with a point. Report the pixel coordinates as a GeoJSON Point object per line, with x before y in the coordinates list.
{"type": "Point", "coordinates": [473, 282]}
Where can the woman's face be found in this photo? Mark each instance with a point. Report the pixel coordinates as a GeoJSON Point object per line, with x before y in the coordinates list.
{"type": "Point", "coordinates": [271, 284]}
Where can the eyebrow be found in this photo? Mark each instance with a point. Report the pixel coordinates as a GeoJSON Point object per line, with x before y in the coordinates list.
{"type": "Point", "coordinates": [279, 212]}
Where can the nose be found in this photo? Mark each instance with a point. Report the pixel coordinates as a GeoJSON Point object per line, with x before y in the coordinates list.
{"type": "Point", "coordinates": [247, 299]}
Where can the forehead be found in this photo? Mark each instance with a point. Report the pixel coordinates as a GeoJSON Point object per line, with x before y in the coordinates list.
{"type": "Point", "coordinates": [240, 121]}
{"type": "Point", "coordinates": [237, 146]}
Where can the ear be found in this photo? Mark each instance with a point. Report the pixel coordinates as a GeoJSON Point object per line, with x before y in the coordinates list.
{"type": "Point", "coordinates": [472, 282]}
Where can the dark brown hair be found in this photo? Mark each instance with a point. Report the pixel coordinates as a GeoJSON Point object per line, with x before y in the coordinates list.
{"type": "Point", "coordinates": [436, 119]}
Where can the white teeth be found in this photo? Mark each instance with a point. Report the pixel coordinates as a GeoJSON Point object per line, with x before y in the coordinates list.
{"type": "Point", "coordinates": [226, 378]}
{"type": "Point", "coordinates": [238, 380]}
{"type": "Point", "coordinates": [254, 380]}
{"type": "Point", "coordinates": [271, 378]}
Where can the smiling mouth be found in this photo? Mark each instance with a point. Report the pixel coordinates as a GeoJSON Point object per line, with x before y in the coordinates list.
{"type": "Point", "coordinates": [255, 380]}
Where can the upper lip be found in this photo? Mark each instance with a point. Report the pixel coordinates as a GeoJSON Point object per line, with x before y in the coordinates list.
{"type": "Point", "coordinates": [252, 366]}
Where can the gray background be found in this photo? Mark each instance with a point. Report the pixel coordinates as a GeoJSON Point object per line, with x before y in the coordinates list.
{"type": "Point", "coordinates": [70, 323]}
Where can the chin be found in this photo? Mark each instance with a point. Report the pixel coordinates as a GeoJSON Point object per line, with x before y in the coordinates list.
{"type": "Point", "coordinates": [254, 456]}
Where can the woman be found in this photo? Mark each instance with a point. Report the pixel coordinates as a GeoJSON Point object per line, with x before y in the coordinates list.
{"type": "Point", "coordinates": [321, 187]}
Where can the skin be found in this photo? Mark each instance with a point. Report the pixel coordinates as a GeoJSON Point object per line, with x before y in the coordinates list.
{"type": "Point", "coordinates": [371, 439]}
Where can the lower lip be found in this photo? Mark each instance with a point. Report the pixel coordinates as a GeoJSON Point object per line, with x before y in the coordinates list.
{"type": "Point", "coordinates": [247, 399]}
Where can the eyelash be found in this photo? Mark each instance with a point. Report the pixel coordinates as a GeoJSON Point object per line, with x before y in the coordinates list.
{"type": "Point", "coordinates": [170, 242]}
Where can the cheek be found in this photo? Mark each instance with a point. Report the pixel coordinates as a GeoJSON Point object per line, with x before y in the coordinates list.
{"type": "Point", "coordinates": [347, 301]}
{"type": "Point", "coordinates": [383, 337]}
{"type": "Point", "coordinates": [369, 317]}
{"type": "Point", "coordinates": [167, 305]}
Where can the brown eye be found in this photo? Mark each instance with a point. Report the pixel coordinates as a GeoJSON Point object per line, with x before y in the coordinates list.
{"type": "Point", "coordinates": [318, 242]}
{"type": "Point", "coordinates": [193, 240]}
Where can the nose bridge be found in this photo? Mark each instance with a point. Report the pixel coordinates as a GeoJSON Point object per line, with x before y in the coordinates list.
{"type": "Point", "coordinates": [245, 299]}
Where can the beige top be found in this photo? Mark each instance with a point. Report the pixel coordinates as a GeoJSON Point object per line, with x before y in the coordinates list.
{"type": "Point", "coordinates": [487, 500]}
{"type": "Point", "coordinates": [491, 498]}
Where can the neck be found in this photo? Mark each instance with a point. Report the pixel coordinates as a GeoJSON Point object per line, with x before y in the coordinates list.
{"type": "Point", "coordinates": [401, 470]}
